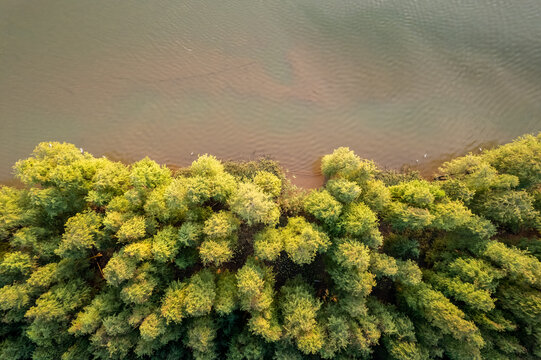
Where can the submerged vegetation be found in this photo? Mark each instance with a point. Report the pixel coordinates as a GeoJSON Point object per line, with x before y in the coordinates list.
{"type": "Point", "coordinates": [105, 261]}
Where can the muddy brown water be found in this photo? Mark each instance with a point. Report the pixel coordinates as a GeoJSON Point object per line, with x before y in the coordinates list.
{"type": "Point", "coordinates": [393, 80]}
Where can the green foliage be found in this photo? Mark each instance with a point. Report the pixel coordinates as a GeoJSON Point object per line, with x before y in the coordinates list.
{"type": "Point", "coordinates": [401, 247]}
{"type": "Point", "coordinates": [143, 250]}
{"type": "Point", "coordinates": [358, 220]}
{"type": "Point", "coordinates": [402, 217]}
{"type": "Point", "coordinates": [43, 276]}
{"type": "Point", "coordinates": [476, 271]}
{"type": "Point", "coordinates": [59, 165]}
{"type": "Point", "coordinates": [191, 298]}
{"type": "Point", "coordinates": [355, 282]}
{"type": "Point", "coordinates": [89, 319]}
{"type": "Point", "coordinates": [226, 293]}
{"type": "Point", "coordinates": [268, 244]}
{"type": "Point", "coordinates": [342, 162]}
{"type": "Point", "coordinates": [398, 332]}
{"type": "Point", "coordinates": [268, 183]}
{"type": "Point", "coordinates": [441, 313]}
{"type": "Point", "coordinates": [299, 309]}
{"type": "Point", "coordinates": [255, 286]}
{"type": "Point", "coordinates": [302, 240]}
{"type": "Point", "coordinates": [207, 165]}
{"type": "Point", "coordinates": [190, 233]}
{"type": "Point", "coordinates": [457, 190]}
{"type": "Point", "coordinates": [132, 229]}
{"type": "Point", "coordinates": [175, 199]}
{"type": "Point", "coordinates": [345, 164]}
{"type": "Point", "coordinates": [343, 190]}
{"type": "Point", "coordinates": [57, 303]}
{"type": "Point", "coordinates": [10, 211]}
{"type": "Point", "coordinates": [376, 195]}
{"type": "Point", "coordinates": [152, 327]}
{"type": "Point", "coordinates": [517, 263]}
{"type": "Point", "coordinates": [524, 304]}
{"type": "Point", "coordinates": [513, 209]}
{"type": "Point", "coordinates": [383, 265]}
{"type": "Point", "coordinates": [147, 174]}
{"type": "Point", "coordinates": [119, 269]}
{"type": "Point", "coordinates": [220, 231]}
{"type": "Point", "coordinates": [99, 260]}
{"type": "Point", "coordinates": [323, 206]}
{"type": "Point", "coordinates": [417, 193]}
{"type": "Point", "coordinates": [220, 225]}
{"type": "Point", "coordinates": [81, 234]}
{"type": "Point", "coordinates": [165, 244]}
{"type": "Point", "coordinates": [478, 299]}
{"type": "Point", "coordinates": [519, 158]}
{"type": "Point", "coordinates": [16, 348]}
{"type": "Point", "coordinates": [160, 206]}
{"type": "Point", "coordinates": [216, 252]}
{"type": "Point", "coordinates": [15, 297]}
{"type": "Point", "coordinates": [208, 181]}
{"type": "Point", "coordinates": [201, 338]}
{"type": "Point", "coordinates": [408, 273]}
{"type": "Point", "coordinates": [349, 268]}
{"type": "Point", "coordinates": [139, 289]}
{"type": "Point", "coordinates": [253, 206]}
{"type": "Point", "coordinates": [450, 215]}
{"type": "Point", "coordinates": [14, 266]}
{"type": "Point", "coordinates": [352, 255]}
{"type": "Point", "coordinates": [110, 180]}
{"type": "Point", "coordinates": [246, 346]}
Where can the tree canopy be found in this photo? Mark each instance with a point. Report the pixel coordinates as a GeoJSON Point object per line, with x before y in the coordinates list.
{"type": "Point", "coordinates": [102, 260]}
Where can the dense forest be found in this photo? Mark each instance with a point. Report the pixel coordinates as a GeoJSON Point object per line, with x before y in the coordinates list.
{"type": "Point", "coordinates": [224, 260]}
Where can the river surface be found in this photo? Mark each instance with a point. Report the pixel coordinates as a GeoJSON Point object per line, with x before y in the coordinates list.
{"type": "Point", "coordinates": [292, 79]}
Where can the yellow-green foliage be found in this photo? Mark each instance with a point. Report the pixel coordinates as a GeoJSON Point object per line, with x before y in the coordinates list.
{"type": "Point", "coordinates": [139, 289]}
{"type": "Point", "coordinates": [141, 250]}
{"type": "Point", "coordinates": [352, 255]}
{"type": "Point", "coordinates": [220, 231]}
{"type": "Point", "coordinates": [268, 183]}
{"type": "Point", "coordinates": [10, 211]}
{"type": "Point", "coordinates": [147, 174]}
{"type": "Point", "coordinates": [323, 206]}
{"type": "Point", "coordinates": [358, 220]}
{"type": "Point", "coordinates": [81, 234]}
{"type": "Point", "coordinates": [101, 260]}
{"type": "Point", "coordinates": [191, 298]}
{"type": "Point", "coordinates": [207, 165]}
{"type": "Point", "coordinates": [299, 308]}
{"type": "Point", "coordinates": [111, 179]}
{"type": "Point", "coordinates": [343, 163]}
{"type": "Point", "coordinates": [417, 193]}
{"type": "Point", "coordinates": [215, 252]}
{"type": "Point", "coordinates": [254, 206]}
{"type": "Point", "coordinates": [201, 338]}
{"type": "Point", "coordinates": [517, 263]}
{"type": "Point", "coordinates": [343, 190]}
{"type": "Point", "coordinates": [132, 229]}
{"type": "Point", "coordinates": [152, 327]}
{"type": "Point", "coordinates": [220, 225]}
{"type": "Point", "coordinates": [15, 264]}
{"type": "Point", "coordinates": [519, 158]}
{"type": "Point", "coordinates": [268, 244]}
{"type": "Point", "coordinates": [226, 293]}
{"type": "Point", "coordinates": [302, 240]}
{"type": "Point", "coordinates": [119, 269]}
{"type": "Point", "coordinates": [254, 284]}
{"type": "Point", "coordinates": [441, 313]}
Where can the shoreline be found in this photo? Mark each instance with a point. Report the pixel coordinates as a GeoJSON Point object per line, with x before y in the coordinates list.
{"type": "Point", "coordinates": [302, 178]}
